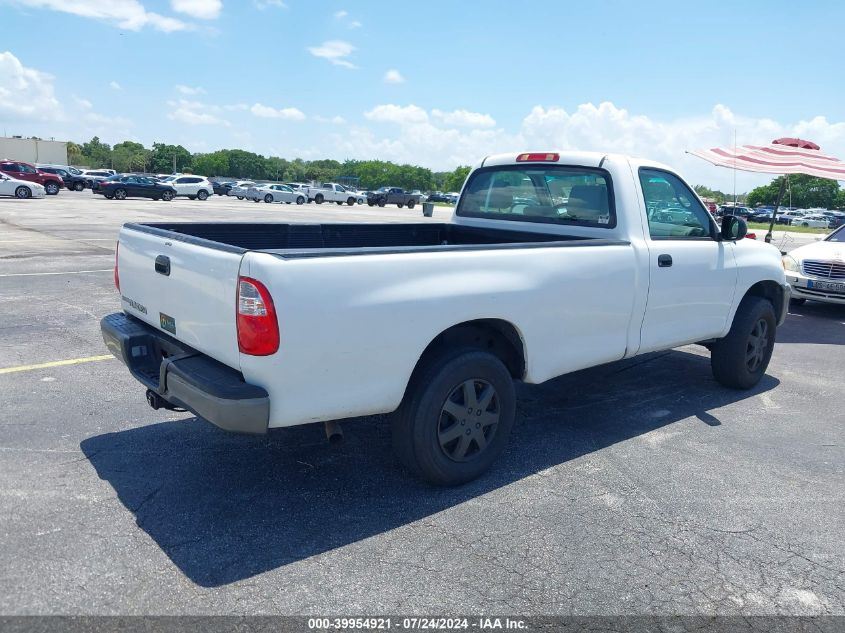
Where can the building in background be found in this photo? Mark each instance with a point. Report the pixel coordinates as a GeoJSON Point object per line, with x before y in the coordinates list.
{"type": "Point", "coordinates": [33, 150]}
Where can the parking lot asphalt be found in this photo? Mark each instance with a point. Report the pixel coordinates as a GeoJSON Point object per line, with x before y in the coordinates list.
{"type": "Point", "coordinates": [639, 487]}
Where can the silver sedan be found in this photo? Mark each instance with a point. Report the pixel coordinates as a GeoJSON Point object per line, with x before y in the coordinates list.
{"type": "Point", "coordinates": [275, 193]}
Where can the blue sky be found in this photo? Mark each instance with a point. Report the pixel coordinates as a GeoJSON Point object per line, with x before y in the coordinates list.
{"type": "Point", "coordinates": [435, 83]}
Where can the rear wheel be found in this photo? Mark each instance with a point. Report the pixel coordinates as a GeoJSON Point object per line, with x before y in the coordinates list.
{"type": "Point", "coordinates": [400, 205]}
{"type": "Point", "coordinates": [108, 196]}
{"type": "Point", "coordinates": [319, 198]}
{"type": "Point", "coordinates": [381, 202]}
{"type": "Point", "coordinates": [167, 196]}
{"type": "Point", "coordinates": [240, 197]}
{"type": "Point", "coordinates": [411, 204]}
{"type": "Point", "coordinates": [51, 188]}
{"type": "Point", "coordinates": [805, 224]}
{"type": "Point", "coordinates": [338, 202]}
{"type": "Point", "coordinates": [120, 194]}
{"type": "Point", "coordinates": [456, 417]}
{"type": "Point", "coordinates": [23, 192]}
{"type": "Point", "coordinates": [192, 197]}
{"type": "Point", "coordinates": [300, 200]}
{"type": "Point", "coordinates": [202, 195]}
{"type": "Point", "coordinates": [268, 198]}
{"type": "Point", "coordinates": [370, 203]}
{"type": "Point", "coordinates": [350, 201]}
{"type": "Point", "coordinates": [740, 359]}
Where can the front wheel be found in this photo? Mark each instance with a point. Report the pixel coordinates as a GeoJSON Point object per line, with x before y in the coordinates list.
{"type": "Point", "coordinates": [370, 203]}
{"type": "Point", "coordinates": [202, 195]}
{"type": "Point", "coordinates": [381, 202]}
{"type": "Point", "coordinates": [300, 200]}
{"type": "Point", "coordinates": [411, 204]}
{"type": "Point", "coordinates": [120, 194]}
{"type": "Point", "coordinates": [740, 359]}
{"type": "Point", "coordinates": [51, 188]}
{"type": "Point", "coordinates": [78, 186]}
{"type": "Point", "coordinates": [240, 197]}
{"type": "Point", "coordinates": [805, 224]}
{"type": "Point", "coordinates": [456, 417]}
{"type": "Point", "coordinates": [400, 205]}
{"type": "Point", "coordinates": [167, 196]}
{"type": "Point", "coordinates": [350, 201]}
{"type": "Point", "coordinates": [22, 192]}
{"type": "Point", "coordinates": [268, 198]}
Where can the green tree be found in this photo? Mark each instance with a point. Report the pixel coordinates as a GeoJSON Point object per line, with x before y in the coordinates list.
{"type": "Point", "coordinates": [129, 156]}
{"type": "Point", "coordinates": [164, 158]}
{"type": "Point", "coordinates": [213, 164]}
{"type": "Point", "coordinates": [74, 153]}
{"type": "Point", "coordinates": [804, 191]}
{"type": "Point", "coordinates": [96, 153]}
{"type": "Point", "coordinates": [706, 192]}
{"type": "Point", "coordinates": [455, 180]}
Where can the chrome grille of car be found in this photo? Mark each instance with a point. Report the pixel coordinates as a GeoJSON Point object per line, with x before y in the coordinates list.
{"type": "Point", "coordinates": [826, 269]}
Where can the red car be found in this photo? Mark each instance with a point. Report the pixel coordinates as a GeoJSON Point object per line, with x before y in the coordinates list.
{"type": "Point", "coordinates": [25, 171]}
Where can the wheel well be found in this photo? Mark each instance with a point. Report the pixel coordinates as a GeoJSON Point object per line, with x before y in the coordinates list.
{"type": "Point", "coordinates": [496, 336]}
{"type": "Point", "coordinates": [770, 290]}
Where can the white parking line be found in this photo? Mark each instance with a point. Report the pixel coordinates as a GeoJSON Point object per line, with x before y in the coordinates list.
{"type": "Point", "coordinates": [67, 272]}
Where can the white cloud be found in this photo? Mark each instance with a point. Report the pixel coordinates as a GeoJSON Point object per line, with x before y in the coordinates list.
{"type": "Point", "coordinates": [114, 85]}
{"type": "Point", "coordinates": [266, 4]}
{"type": "Point", "coordinates": [267, 112]}
{"type": "Point", "coordinates": [236, 106]}
{"type": "Point", "coordinates": [403, 115]}
{"type": "Point", "coordinates": [355, 24]}
{"type": "Point", "coordinates": [26, 93]}
{"type": "Point", "coordinates": [200, 9]}
{"type": "Point", "coordinates": [335, 51]}
{"type": "Point", "coordinates": [393, 76]}
{"type": "Point", "coordinates": [340, 15]}
{"type": "Point", "coordinates": [464, 118]}
{"type": "Point", "coordinates": [196, 113]}
{"type": "Point", "coordinates": [336, 120]}
{"type": "Point", "coordinates": [82, 103]}
{"type": "Point", "coordinates": [190, 90]}
{"type": "Point", "coordinates": [127, 14]}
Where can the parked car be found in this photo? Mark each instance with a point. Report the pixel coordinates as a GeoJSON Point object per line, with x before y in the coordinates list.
{"type": "Point", "coordinates": [331, 192]}
{"type": "Point", "coordinates": [837, 218]}
{"type": "Point", "coordinates": [190, 186]}
{"type": "Point", "coordinates": [21, 189]}
{"type": "Point", "coordinates": [93, 176]}
{"type": "Point", "coordinates": [438, 196]}
{"type": "Point", "coordinates": [392, 195]}
{"type": "Point", "coordinates": [741, 212]}
{"type": "Point", "coordinates": [789, 216]}
{"type": "Point", "coordinates": [240, 189]}
{"type": "Point", "coordinates": [817, 271]}
{"type": "Point", "coordinates": [29, 172]}
{"type": "Point", "coordinates": [122, 187]}
{"type": "Point", "coordinates": [221, 188]}
{"type": "Point", "coordinates": [814, 220]}
{"type": "Point", "coordinates": [440, 319]}
{"type": "Point", "coordinates": [76, 182]}
{"type": "Point", "coordinates": [275, 193]}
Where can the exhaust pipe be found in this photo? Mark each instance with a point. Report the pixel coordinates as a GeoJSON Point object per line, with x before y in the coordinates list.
{"type": "Point", "coordinates": [334, 432]}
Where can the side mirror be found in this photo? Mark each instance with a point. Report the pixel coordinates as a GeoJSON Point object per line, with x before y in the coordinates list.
{"type": "Point", "coordinates": [733, 228]}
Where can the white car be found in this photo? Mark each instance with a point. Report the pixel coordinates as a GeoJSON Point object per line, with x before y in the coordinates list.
{"type": "Point", "coordinates": [272, 325]}
{"type": "Point", "coordinates": [20, 188]}
{"type": "Point", "coordinates": [332, 192]}
{"type": "Point", "coordinates": [817, 271]}
{"type": "Point", "coordinates": [190, 186]}
{"type": "Point", "coordinates": [276, 193]}
{"type": "Point", "coordinates": [815, 220]}
{"type": "Point", "coordinates": [96, 175]}
{"type": "Point", "coordinates": [240, 189]}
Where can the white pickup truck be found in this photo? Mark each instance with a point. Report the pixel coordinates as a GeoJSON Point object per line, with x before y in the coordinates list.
{"type": "Point", "coordinates": [553, 262]}
{"type": "Point", "coordinates": [333, 192]}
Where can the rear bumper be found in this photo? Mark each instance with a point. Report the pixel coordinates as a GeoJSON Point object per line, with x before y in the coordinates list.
{"type": "Point", "coordinates": [186, 378]}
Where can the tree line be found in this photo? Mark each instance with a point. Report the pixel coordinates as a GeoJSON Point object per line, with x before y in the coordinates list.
{"type": "Point", "coordinates": [130, 156]}
{"type": "Point", "coordinates": [802, 191]}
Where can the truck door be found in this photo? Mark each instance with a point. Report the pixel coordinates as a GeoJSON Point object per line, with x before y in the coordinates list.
{"type": "Point", "coordinates": [692, 275]}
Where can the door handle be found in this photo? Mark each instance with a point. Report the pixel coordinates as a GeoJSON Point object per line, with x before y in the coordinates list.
{"type": "Point", "coordinates": [664, 261]}
{"type": "Point", "coordinates": [163, 265]}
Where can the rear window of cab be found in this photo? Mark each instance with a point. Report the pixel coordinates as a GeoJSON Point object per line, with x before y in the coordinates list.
{"type": "Point", "coordinates": [552, 194]}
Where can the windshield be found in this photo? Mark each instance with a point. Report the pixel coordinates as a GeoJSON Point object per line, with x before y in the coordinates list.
{"type": "Point", "coordinates": [837, 236]}
{"type": "Point", "coordinates": [540, 193]}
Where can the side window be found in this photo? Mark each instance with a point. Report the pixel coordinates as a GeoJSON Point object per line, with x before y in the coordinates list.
{"type": "Point", "coordinates": [26, 169]}
{"type": "Point", "coordinates": [181, 181]}
{"type": "Point", "coordinates": [673, 210]}
{"type": "Point", "coordinates": [11, 168]}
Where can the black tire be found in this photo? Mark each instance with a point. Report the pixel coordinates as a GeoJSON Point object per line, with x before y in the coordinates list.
{"type": "Point", "coordinates": [381, 202]}
{"type": "Point", "coordinates": [268, 198]}
{"type": "Point", "coordinates": [167, 196]}
{"type": "Point", "coordinates": [350, 201]}
{"type": "Point", "coordinates": [108, 196]}
{"type": "Point", "coordinates": [740, 359]}
{"type": "Point", "coordinates": [400, 205]}
{"type": "Point", "coordinates": [120, 194]}
{"type": "Point", "coordinates": [411, 204]}
{"type": "Point", "coordinates": [240, 197]}
{"type": "Point", "coordinates": [78, 186]}
{"type": "Point", "coordinates": [338, 203]}
{"type": "Point", "coordinates": [319, 198]}
{"type": "Point", "coordinates": [202, 195]}
{"type": "Point", "coordinates": [797, 302]}
{"type": "Point", "coordinates": [370, 203]}
{"type": "Point", "coordinates": [805, 224]}
{"type": "Point", "coordinates": [430, 440]}
{"type": "Point", "coordinates": [51, 189]}
{"type": "Point", "coordinates": [23, 192]}
{"type": "Point", "coordinates": [300, 200]}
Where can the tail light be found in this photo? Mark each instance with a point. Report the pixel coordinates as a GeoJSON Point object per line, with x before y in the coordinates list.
{"type": "Point", "coordinates": [258, 328]}
{"type": "Point", "coordinates": [116, 272]}
{"type": "Point", "coordinates": [544, 157]}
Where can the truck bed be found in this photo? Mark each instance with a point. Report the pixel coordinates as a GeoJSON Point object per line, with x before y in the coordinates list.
{"type": "Point", "coordinates": [323, 240]}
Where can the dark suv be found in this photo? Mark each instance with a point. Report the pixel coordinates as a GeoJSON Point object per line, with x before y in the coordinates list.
{"type": "Point", "coordinates": [77, 183]}
{"type": "Point", "coordinates": [26, 171]}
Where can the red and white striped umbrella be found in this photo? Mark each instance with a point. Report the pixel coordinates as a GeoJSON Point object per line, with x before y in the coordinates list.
{"type": "Point", "coordinates": [781, 156]}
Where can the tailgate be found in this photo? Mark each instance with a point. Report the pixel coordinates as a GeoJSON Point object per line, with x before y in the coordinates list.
{"type": "Point", "coordinates": [184, 289]}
